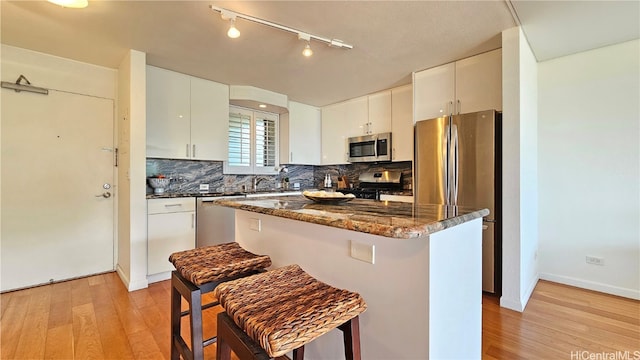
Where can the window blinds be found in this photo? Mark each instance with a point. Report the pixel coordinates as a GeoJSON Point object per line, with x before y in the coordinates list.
{"type": "Point", "coordinates": [239, 139]}
{"type": "Point", "coordinates": [265, 142]}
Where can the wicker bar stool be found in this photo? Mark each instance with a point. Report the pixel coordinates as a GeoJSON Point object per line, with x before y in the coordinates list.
{"type": "Point", "coordinates": [270, 314]}
{"type": "Point", "coordinates": [199, 271]}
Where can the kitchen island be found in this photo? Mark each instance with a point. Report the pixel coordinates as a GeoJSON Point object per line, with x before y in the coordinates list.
{"type": "Point", "coordinates": [418, 267]}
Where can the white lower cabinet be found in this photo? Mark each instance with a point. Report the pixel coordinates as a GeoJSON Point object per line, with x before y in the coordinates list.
{"type": "Point", "coordinates": [171, 227]}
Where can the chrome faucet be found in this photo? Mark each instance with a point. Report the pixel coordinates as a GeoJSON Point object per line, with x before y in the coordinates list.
{"type": "Point", "coordinates": [257, 180]}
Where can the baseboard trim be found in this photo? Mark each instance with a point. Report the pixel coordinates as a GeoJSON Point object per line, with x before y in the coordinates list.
{"type": "Point", "coordinates": [131, 285]}
{"type": "Point", "coordinates": [592, 285]}
{"type": "Point", "coordinates": [512, 304]}
{"type": "Point", "coordinates": [159, 277]}
{"type": "Point", "coordinates": [529, 292]}
{"type": "Point", "coordinates": [521, 303]}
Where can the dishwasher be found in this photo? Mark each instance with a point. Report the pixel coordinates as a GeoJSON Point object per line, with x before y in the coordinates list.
{"type": "Point", "coordinates": [215, 224]}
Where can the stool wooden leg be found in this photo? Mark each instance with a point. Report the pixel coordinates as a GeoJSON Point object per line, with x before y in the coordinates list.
{"type": "Point", "coordinates": [351, 335]}
{"type": "Point", "coordinates": [195, 303]}
{"type": "Point", "coordinates": [231, 337]}
{"type": "Point", "coordinates": [223, 350]}
{"type": "Point", "coordinates": [175, 321]}
{"type": "Point", "coordinates": [298, 354]}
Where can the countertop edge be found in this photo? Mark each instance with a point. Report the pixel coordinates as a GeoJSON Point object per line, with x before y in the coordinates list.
{"type": "Point", "coordinates": [397, 232]}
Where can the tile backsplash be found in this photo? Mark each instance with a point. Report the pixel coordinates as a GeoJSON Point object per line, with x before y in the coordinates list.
{"type": "Point", "coordinates": [187, 175]}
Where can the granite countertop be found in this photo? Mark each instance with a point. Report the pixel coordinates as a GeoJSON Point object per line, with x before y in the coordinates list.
{"type": "Point", "coordinates": [168, 195]}
{"type": "Point", "coordinates": [386, 218]}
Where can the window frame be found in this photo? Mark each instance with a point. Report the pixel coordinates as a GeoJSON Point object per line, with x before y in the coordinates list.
{"type": "Point", "coordinates": [252, 169]}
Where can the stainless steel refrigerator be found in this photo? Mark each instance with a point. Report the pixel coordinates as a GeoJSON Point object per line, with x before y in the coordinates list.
{"type": "Point", "coordinates": [457, 162]}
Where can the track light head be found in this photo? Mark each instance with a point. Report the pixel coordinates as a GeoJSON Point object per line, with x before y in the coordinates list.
{"type": "Point", "coordinates": [77, 4]}
{"type": "Point", "coordinates": [307, 52]}
{"type": "Point", "coordinates": [233, 32]}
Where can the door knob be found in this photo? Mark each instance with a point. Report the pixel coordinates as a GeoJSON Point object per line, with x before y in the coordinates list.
{"type": "Point", "coordinates": [105, 195]}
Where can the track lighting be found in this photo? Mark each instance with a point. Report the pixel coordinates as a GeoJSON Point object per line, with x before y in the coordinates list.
{"type": "Point", "coordinates": [77, 4]}
{"type": "Point", "coordinates": [307, 50]}
{"type": "Point", "coordinates": [234, 33]}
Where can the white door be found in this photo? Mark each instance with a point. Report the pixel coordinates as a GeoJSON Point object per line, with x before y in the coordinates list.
{"type": "Point", "coordinates": [57, 162]}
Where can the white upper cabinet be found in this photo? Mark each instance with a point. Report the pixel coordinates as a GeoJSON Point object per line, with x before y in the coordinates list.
{"type": "Point", "coordinates": [355, 116]}
{"type": "Point", "coordinates": [365, 115]}
{"type": "Point", "coordinates": [334, 134]}
{"type": "Point", "coordinates": [434, 91]}
{"type": "Point", "coordinates": [209, 120]}
{"type": "Point", "coordinates": [468, 85]}
{"type": "Point", "coordinates": [300, 135]}
{"type": "Point", "coordinates": [187, 117]}
{"type": "Point", "coordinates": [479, 82]}
{"type": "Point", "coordinates": [168, 114]}
{"type": "Point", "coordinates": [402, 123]}
{"type": "Point", "coordinates": [379, 113]}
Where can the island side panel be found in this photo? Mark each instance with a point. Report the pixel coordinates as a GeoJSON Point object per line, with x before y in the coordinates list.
{"type": "Point", "coordinates": [395, 325]}
{"type": "Point", "coordinates": [455, 292]}
{"type": "Point", "coordinates": [424, 295]}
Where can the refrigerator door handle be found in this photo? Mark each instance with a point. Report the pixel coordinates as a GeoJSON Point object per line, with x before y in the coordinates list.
{"type": "Point", "coordinates": [454, 164]}
{"type": "Point", "coordinates": [444, 164]}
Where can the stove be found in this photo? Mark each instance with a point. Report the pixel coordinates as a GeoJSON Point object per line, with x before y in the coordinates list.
{"type": "Point", "coordinates": [360, 193]}
{"type": "Point", "coordinates": [374, 182]}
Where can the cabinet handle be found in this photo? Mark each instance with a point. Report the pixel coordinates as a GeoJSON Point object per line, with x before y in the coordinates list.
{"type": "Point", "coordinates": [458, 107]}
{"type": "Point", "coordinates": [187, 151]}
{"type": "Point", "coordinates": [291, 157]}
{"type": "Point", "coordinates": [193, 153]}
{"type": "Point", "coordinates": [172, 205]}
{"type": "Point", "coordinates": [193, 221]}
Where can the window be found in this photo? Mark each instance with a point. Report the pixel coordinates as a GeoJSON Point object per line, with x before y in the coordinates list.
{"type": "Point", "coordinates": [253, 142]}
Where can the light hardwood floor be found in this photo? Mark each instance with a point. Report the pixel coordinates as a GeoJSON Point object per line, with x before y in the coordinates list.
{"type": "Point", "coordinates": [96, 318]}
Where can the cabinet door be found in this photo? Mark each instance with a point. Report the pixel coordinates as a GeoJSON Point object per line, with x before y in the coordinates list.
{"type": "Point", "coordinates": [434, 92]}
{"type": "Point", "coordinates": [209, 120]}
{"type": "Point", "coordinates": [402, 123]}
{"type": "Point", "coordinates": [380, 112]}
{"type": "Point", "coordinates": [168, 233]}
{"type": "Point", "coordinates": [304, 135]}
{"type": "Point", "coordinates": [168, 114]}
{"type": "Point", "coordinates": [334, 148]}
{"type": "Point", "coordinates": [356, 116]}
{"type": "Point", "coordinates": [479, 83]}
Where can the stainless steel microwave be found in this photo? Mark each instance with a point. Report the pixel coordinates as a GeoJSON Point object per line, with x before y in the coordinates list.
{"type": "Point", "coordinates": [370, 148]}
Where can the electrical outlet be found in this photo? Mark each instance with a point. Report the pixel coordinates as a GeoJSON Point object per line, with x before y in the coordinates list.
{"type": "Point", "coordinates": [594, 260]}
{"type": "Point", "coordinates": [204, 187]}
{"type": "Point", "coordinates": [255, 225]}
{"type": "Point", "coordinates": [364, 252]}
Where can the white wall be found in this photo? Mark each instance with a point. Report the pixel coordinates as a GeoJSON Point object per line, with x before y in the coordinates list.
{"type": "Point", "coordinates": [519, 172]}
{"type": "Point", "coordinates": [132, 207]}
{"type": "Point", "coordinates": [589, 157]}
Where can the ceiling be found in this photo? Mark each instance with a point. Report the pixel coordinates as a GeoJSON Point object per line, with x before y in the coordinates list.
{"type": "Point", "coordinates": [390, 38]}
